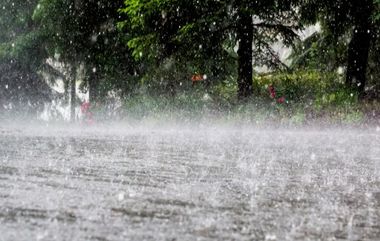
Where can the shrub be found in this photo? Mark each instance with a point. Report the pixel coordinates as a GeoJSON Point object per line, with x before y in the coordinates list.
{"type": "Point", "coordinates": [298, 86]}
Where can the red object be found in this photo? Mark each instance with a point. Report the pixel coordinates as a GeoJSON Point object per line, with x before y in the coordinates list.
{"type": "Point", "coordinates": [281, 100]}
{"type": "Point", "coordinates": [272, 91]}
{"type": "Point", "coordinates": [85, 109]}
{"type": "Point", "coordinates": [196, 77]}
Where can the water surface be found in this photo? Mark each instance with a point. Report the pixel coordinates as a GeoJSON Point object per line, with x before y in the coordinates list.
{"type": "Point", "coordinates": [189, 184]}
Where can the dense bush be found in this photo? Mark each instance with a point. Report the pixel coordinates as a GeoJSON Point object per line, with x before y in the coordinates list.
{"type": "Point", "coordinates": [308, 96]}
{"type": "Point", "coordinates": [301, 86]}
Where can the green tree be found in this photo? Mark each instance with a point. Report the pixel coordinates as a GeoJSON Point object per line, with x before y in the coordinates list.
{"type": "Point", "coordinates": [21, 57]}
{"type": "Point", "coordinates": [348, 23]}
{"type": "Point", "coordinates": [84, 32]}
{"type": "Point", "coordinates": [211, 30]}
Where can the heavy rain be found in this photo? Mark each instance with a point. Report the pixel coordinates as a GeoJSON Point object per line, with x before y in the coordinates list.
{"type": "Point", "coordinates": [189, 120]}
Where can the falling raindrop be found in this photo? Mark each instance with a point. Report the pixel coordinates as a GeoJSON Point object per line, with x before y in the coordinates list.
{"type": "Point", "coordinates": [121, 196]}
{"type": "Point", "coordinates": [313, 156]}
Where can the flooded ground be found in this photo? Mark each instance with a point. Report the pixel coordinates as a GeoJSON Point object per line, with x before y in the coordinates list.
{"type": "Point", "coordinates": [183, 184]}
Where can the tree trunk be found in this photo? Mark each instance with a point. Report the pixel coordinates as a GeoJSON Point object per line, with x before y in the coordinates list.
{"type": "Point", "coordinates": [358, 49]}
{"type": "Point", "coordinates": [72, 93]}
{"type": "Point", "coordinates": [66, 84]}
{"type": "Point", "coordinates": [245, 40]}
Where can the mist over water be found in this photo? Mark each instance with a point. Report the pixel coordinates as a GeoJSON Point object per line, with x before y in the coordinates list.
{"type": "Point", "coordinates": [154, 181]}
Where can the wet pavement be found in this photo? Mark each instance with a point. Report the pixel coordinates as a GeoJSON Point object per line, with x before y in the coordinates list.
{"type": "Point", "coordinates": [181, 184]}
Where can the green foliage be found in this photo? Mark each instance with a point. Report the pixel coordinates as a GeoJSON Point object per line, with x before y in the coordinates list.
{"type": "Point", "coordinates": [376, 14]}
{"type": "Point", "coordinates": [332, 107]}
{"type": "Point", "coordinates": [347, 28]}
{"type": "Point", "coordinates": [298, 86]}
{"type": "Point", "coordinates": [141, 46]}
{"type": "Point", "coordinates": [62, 38]}
{"type": "Point", "coordinates": [308, 94]}
{"type": "Point", "coordinates": [148, 50]}
{"type": "Point", "coordinates": [22, 90]}
{"type": "Point", "coordinates": [20, 40]}
{"type": "Point", "coordinates": [225, 91]}
{"type": "Point", "coordinates": [85, 32]}
{"type": "Point", "coordinates": [185, 106]}
{"type": "Point", "coordinates": [319, 51]}
{"type": "Point", "coordinates": [202, 34]}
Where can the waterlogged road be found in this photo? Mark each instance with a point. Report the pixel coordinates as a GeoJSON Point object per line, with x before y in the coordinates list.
{"type": "Point", "coordinates": [179, 184]}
